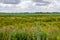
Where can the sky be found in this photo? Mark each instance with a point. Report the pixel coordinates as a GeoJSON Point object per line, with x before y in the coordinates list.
{"type": "Point", "coordinates": [29, 5]}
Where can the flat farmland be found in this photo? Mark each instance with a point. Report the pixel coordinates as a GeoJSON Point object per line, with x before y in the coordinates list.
{"type": "Point", "coordinates": [29, 27]}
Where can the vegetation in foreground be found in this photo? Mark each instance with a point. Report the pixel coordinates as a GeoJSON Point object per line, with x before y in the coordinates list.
{"type": "Point", "coordinates": [36, 27]}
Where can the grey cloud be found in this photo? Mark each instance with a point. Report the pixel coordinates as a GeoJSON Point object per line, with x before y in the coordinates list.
{"type": "Point", "coordinates": [42, 6]}
{"type": "Point", "coordinates": [41, 2]}
{"type": "Point", "coordinates": [0, 1]}
{"type": "Point", "coordinates": [38, 0]}
{"type": "Point", "coordinates": [10, 1]}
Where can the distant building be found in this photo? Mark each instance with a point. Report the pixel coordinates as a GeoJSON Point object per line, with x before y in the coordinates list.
{"type": "Point", "coordinates": [10, 1]}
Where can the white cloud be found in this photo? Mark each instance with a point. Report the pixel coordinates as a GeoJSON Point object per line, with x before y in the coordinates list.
{"type": "Point", "coordinates": [24, 4]}
{"type": "Point", "coordinates": [31, 6]}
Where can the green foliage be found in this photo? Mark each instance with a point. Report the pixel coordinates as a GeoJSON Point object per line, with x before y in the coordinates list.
{"type": "Point", "coordinates": [29, 27]}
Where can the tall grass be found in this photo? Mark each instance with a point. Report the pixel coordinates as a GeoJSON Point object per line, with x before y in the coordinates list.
{"type": "Point", "coordinates": [39, 27]}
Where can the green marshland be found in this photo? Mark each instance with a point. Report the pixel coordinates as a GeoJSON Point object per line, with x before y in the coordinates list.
{"type": "Point", "coordinates": [29, 26]}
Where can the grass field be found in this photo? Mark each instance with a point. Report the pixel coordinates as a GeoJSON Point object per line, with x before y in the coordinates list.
{"type": "Point", "coordinates": [29, 27]}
